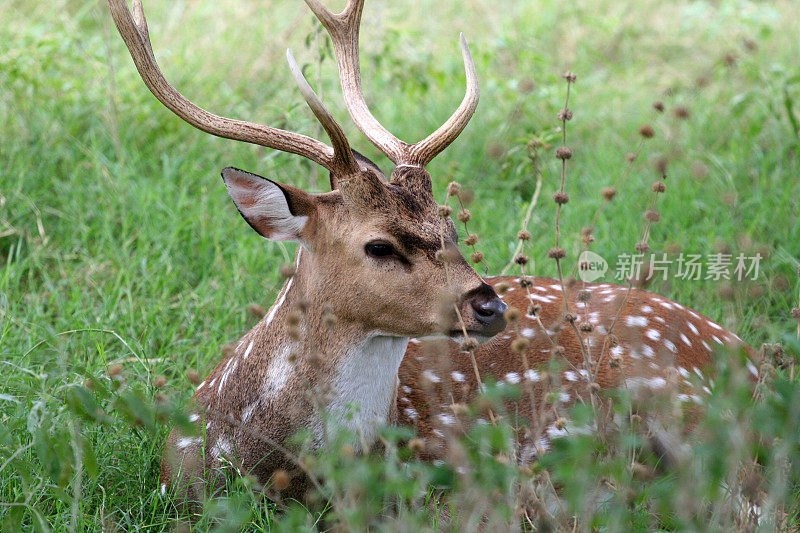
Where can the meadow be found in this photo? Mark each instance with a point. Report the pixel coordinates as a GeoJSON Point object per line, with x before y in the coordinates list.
{"type": "Point", "coordinates": [121, 253]}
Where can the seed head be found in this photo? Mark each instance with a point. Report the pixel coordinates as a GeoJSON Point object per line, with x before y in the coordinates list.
{"type": "Point", "coordinates": [569, 318]}
{"type": "Point", "coordinates": [565, 115]}
{"type": "Point", "coordinates": [281, 479]}
{"type": "Point", "coordinates": [193, 376]}
{"type": "Point", "coordinates": [642, 247]}
{"type": "Point", "coordinates": [293, 318]}
{"type": "Point", "coordinates": [612, 340]}
{"type": "Point", "coordinates": [584, 296]}
{"type": "Point", "coordinates": [512, 314]}
{"type": "Point", "coordinates": [630, 157]}
{"type": "Point", "coordinates": [681, 112]}
{"type": "Point", "coordinates": [464, 216]}
{"type": "Point", "coordinates": [534, 309]}
{"type": "Point", "coordinates": [647, 131]}
{"type": "Point", "coordinates": [458, 409]}
{"type": "Point", "coordinates": [563, 152]}
{"type": "Point", "coordinates": [658, 106]}
{"type": "Point", "coordinates": [525, 283]}
{"type": "Point", "coordinates": [471, 240]}
{"type": "Point", "coordinates": [477, 256]}
{"type": "Point", "coordinates": [560, 423]}
{"type": "Point", "coordinates": [615, 360]}
{"type": "Point", "coordinates": [416, 445]}
{"type": "Point", "coordinates": [652, 215]}
{"type": "Point", "coordinates": [569, 76]}
{"type": "Point", "coordinates": [608, 193]}
{"type": "Point", "coordinates": [159, 381]}
{"type": "Point", "coordinates": [502, 288]}
{"type": "Point", "coordinates": [328, 319]}
{"type": "Point", "coordinates": [586, 327]}
{"type": "Point", "coordinates": [444, 211]}
{"type": "Point", "coordinates": [469, 345]}
{"type": "Point", "coordinates": [560, 197]}
{"type": "Point", "coordinates": [524, 235]}
{"type": "Point", "coordinates": [556, 253]}
{"type": "Point", "coordinates": [659, 186]}
{"type": "Point", "coordinates": [453, 188]}
{"type": "Point", "coordinates": [795, 313]}
{"type": "Point", "coordinates": [521, 259]}
{"type": "Point", "coordinates": [587, 239]}
{"type": "Point", "coordinates": [520, 344]}
{"type": "Point", "coordinates": [287, 270]}
{"type": "Point", "coordinates": [558, 350]}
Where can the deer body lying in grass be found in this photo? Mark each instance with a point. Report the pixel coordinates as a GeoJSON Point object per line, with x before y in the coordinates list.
{"type": "Point", "coordinates": [377, 270]}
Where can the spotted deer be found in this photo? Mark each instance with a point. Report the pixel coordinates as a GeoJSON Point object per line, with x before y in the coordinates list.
{"type": "Point", "coordinates": [377, 273]}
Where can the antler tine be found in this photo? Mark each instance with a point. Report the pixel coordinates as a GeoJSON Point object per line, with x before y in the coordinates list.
{"type": "Point", "coordinates": [341, 148]}
{"type": "Point", "coordinates": [344, 30]}
{"type": "Point", "coordinates": [133, 29]}
{"type": "Point", "coordinates": [425, 150]}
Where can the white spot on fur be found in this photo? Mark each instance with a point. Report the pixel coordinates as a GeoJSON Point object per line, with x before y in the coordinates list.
{"type": "Point", "coordinates": [647, 309]}
{"type": "Point", "coordinates": [512, 377]}
{"type": "Point", "coordinates": [670, 346]}
{"type": "Point", "coordinates": [653, 334]}
{"type": "Point", "coordinates": [686, 340]}
{"type": "Point", "coordinates": [528, 332]}
{"type": "Point", "coordinates": [278, 372]}
{"type": "Point", "coordinates": [639, 321]}
{"type": "Point", "coordinates": [248, 350]}
{"type": "Point", "coordinates": [247, 412]}
{"type": "Point", "coordinates": [194, 417]}
{"type": "Point", "coordinates": [185, 442]}
{"type": "Point", "coordinates": [411, 413]}
{"type": "Point", "coordinates": [532, 375]}
{"type": "Point", "coordinates": [430, 376]}
{"type": "Point", "coordinates": [458, 376]}
{"type": "Point", "coordinates": [693, 328]}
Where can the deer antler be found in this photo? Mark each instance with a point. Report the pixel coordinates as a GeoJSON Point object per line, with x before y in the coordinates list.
{"type": "Point", "coordinates": [339, 160]}
{"type": "Point", "coordinates": [343, 29]}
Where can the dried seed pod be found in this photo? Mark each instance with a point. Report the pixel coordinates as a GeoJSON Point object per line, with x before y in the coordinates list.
{"type": "Point", "coordinates": [444, 211]}
{"type": "Point", "coordinates": [193, 376]}
{"type": "Point", "coordinates": [647, 131]}
{"type": "Point", "coordinates": [464, 216]}
{"type": "Point", "coordinates": [658, 106]}
{"type": "Point", "coordinates": [556, 253]}
{"type": "Point", "coordinates": [524, 235]}
{"type": "Point", "coordinates": [652, 215]}
{"type": "Point", "coordinates": [512, 314]}
{"type": "Point", "coordinates": [469, 345]}
{"type": "Point", "coordinates": [471, 240]}
{"type": "Point", "coordinates": [502, 287]}
{"type": "Point", "coordinates": [659, 186]}
{"type": "Point", "coordinates": [525, 282]}
{"type": "Point", "coordinates": [287, 270]}
{"type": "Point", "coordinates": [561, 197]}
{"type": "Point", "coordinates": [521, 259]}
{"type": "Point", "coordinates": [608, 193]}
{"type": "Point", "coordinates": [453, 188]}
{"type": "Point", "coordinates": [281, 479]}
{"type": "Point", "coordinates": [563, 152]}
{"type": "Point", "coordinates": [642, 247]}
{"type": "Point", "coordinates": [584, 296]}
{"type": "Point", "coordinates": [476, 256]}
{"type": "Point", "coordinates": [520, 344]}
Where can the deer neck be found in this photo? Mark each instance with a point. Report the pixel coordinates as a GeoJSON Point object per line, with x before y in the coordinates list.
{"type": "Point", "coordinates": [344, 374]}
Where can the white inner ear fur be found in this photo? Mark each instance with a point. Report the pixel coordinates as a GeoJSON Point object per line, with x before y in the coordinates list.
{"type": "Point", "coordinates": [263, 204]}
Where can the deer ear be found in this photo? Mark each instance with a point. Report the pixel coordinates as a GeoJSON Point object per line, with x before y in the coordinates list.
{"type": "Point", "coordinates": [276, 211]}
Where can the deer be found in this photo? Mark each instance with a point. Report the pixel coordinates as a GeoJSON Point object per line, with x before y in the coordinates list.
{"type": "Point", "coordinates": [377, 275]}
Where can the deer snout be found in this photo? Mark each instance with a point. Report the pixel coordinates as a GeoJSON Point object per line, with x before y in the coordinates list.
{"type": "Point", "coordinates": [487, 310]}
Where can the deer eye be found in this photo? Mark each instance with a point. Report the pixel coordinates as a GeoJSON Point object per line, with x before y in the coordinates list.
{"type": "Point", "coordinates": [379, 250]}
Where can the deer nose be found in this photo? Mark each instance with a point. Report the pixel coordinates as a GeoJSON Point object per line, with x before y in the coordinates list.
{"type": "Point", "coordinates": [488, 309]}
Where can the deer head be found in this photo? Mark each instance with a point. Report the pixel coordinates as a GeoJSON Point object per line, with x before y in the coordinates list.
{"type": "Point", "coordinates": [375, 251]}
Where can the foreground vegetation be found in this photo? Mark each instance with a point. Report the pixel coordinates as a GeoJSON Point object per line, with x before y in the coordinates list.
{"type": "Point", "coordinates": [125, 266]}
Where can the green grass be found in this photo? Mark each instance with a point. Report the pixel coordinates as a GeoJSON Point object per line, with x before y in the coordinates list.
{"type": "Point", "coordinates": [119, 244]}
